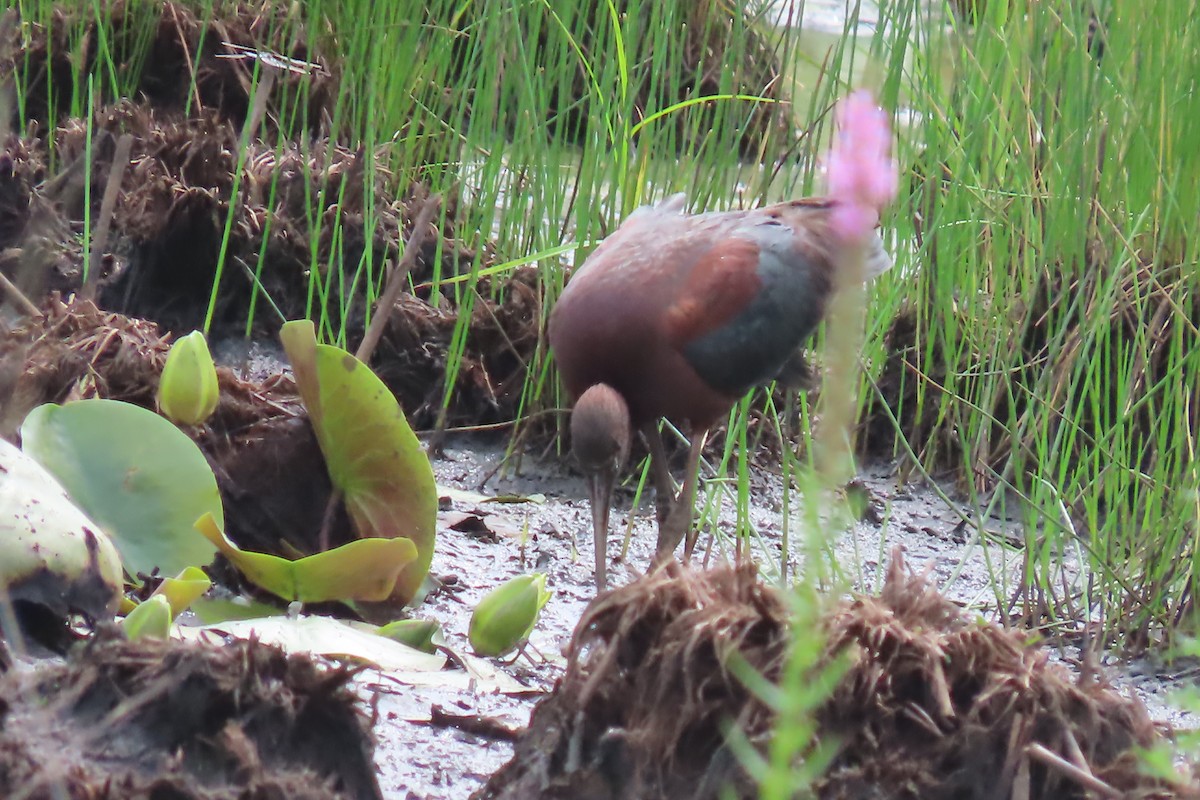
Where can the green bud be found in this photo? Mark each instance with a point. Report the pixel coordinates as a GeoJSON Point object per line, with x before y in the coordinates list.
{"type": "Point", "coordinates": [152, 617]}
{"type": "Point", "coordinates": [506, 615]}
{"type": "Point", "coordinates": [416, 633]}
{"type": "Point", "coordinates": [183, 589]}
{"type": "Point", "coordinates": [187, 390]}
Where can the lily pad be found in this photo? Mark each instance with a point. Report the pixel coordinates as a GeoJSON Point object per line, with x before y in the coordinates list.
{"type": "Point", "coordinates": [212, 610]}
{"type": "Point", "coordinates": [374, 459]}
{"type": "Point", "coordinates": [361, 570]}
{"type": "Point", "coordinates": [137, 475]}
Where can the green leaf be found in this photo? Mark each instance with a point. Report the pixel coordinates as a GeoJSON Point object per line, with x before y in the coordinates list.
{"type": "Point", "coordinates": [373, 457]}
{"type": "Point", "coordinates": [137, 475]}
{"type": "Point", "coordinates": [362, 570]}
{"type": "Point", "coordinates": [184, 589]}
{"type": "Point", "coordinates": [151, 618]}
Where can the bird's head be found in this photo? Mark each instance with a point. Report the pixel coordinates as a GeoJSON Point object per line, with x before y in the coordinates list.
{"type": "Point", "coordinates": [600, 436]}
{"type": "Point", "coordinates": [601, 430]}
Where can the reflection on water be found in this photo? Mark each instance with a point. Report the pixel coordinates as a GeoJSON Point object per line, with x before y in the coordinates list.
{"type": "Point", "coordinates": [826, 16]}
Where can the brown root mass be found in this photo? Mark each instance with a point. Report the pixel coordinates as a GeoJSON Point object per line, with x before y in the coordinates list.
{"type": "Point", "coordinates": [502, 336]}
{"type": "Point", "coordinates": [909, 385]}
{"type": "Point", "coordinates": [299, 207]}
{"type": "Point", "coordinates": [162, 719]}
{"type": "Point", "coordinates": [75, 352]}
{"type": "Point", "coordinates": [302, 238]}
{"type": "Point", "coordinates": [935, 704]}
{"type": "Point", "coordinates": [181, 67]}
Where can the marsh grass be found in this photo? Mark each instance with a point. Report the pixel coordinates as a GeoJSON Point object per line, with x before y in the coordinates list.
{"type": "Point", "coordinates": [1040, 324]}
{"type": "Point", "coordinates": [1056, 324]}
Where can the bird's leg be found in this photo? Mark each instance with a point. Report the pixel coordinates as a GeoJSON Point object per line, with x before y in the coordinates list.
{"type": "Point", "coordinates": [679, 521]}
{"type": "Point", "coordinates": [692, 479]}
{"type": "Point", "coordinates": [664, 486]}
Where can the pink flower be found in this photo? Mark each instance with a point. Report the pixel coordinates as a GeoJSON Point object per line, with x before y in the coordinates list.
{"type": "Point", "coordinates": [861, 172]}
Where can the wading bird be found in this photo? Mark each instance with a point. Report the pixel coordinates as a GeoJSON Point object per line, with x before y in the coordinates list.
{"type": "Point", "coordinates": [678, 315]}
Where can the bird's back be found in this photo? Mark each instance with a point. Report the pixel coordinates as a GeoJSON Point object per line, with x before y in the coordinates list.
{"type": "Point", "coordinates": [683, 314]}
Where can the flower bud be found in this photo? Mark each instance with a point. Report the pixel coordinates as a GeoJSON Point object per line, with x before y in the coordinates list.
{"type": "Point", "coordinates": [187, 390]}
{"type": "Point", "coordinates": [506, 615]}
{"type": "Point", "coordinates": [152, 618]}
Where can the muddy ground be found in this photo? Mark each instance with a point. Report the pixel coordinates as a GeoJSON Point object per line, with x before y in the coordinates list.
{"type": "Point", "coordinates": [439, 742]}
{"type": "Point", "coordinates": [417, 759]}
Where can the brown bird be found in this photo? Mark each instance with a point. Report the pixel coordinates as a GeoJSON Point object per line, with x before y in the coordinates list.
{"type": "Point", "coordinates": [678, 315]}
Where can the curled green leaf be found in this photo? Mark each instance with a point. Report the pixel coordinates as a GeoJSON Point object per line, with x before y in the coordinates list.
{"type": "Point", "coordinates": [374, 459]}
{"type": "Point", "coordinates": [365, 569]}
{"type": "Point", "coordinates": [506, 615]}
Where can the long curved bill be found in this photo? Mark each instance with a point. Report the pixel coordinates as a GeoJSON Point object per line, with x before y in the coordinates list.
{"type": "Point", "coordinates": [600, 489]}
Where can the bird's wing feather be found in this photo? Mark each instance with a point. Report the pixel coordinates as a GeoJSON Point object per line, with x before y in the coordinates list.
{"type": "Point", "coordinates": [721, 284]}
{"type": "Point", "coordinates": [750, 301]}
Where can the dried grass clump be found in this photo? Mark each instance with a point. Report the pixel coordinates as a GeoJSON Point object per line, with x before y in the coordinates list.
{"type": "Point", "coordinates": [934, 703]}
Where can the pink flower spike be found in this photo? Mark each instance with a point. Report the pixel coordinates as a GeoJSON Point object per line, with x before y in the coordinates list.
{"type": "Point", "coordinates": [862, 175]}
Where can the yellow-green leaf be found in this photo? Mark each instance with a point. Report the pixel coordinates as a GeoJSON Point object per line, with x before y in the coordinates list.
{"type": "Point", "coordinates": [182, 590]}
{"type": "Point", "coordinates": [373, 457]}
{"type": "Point", "coordinates": [361, 570]}
{"type": "Point", "coordinates": [152, 618]}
